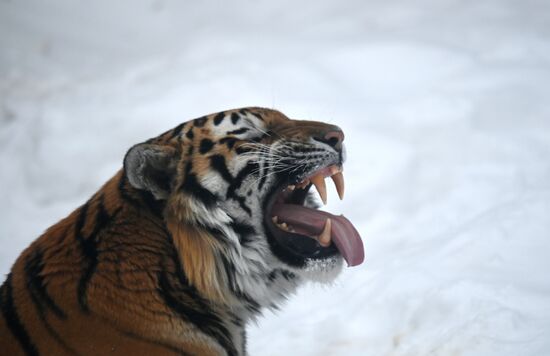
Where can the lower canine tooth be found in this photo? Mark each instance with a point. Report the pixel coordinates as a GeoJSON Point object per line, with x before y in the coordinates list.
{"type": "Point", "coordinates": [291, 187]}
{"type": "Point", "coordinates": [275, 219]}
{"type": "Point", "coordinates": [325, 236]}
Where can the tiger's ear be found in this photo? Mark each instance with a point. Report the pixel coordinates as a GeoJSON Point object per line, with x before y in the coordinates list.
{"type": "Point", "coordinates": [152, 168]}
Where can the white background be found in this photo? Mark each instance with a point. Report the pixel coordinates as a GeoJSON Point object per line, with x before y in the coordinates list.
{"type": "Point", "coordinates": [446, 108]}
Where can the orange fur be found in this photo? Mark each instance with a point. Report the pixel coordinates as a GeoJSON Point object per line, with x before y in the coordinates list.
{"type": "Point", "coordinates": [197, 250]}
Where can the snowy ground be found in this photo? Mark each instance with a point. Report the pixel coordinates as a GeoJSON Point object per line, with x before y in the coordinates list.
{"type": "Point", "coordinates": [446, 106]}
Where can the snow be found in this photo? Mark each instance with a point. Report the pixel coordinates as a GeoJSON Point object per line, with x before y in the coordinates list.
{"type": "Point", "coordinates": [446, 109]}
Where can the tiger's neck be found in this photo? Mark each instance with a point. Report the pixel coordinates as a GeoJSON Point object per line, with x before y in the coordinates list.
{"type": "Point", "coordinates": [177, 256]}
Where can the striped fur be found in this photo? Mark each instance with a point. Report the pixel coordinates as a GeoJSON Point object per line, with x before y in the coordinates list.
{"type": "Point", "coordinates": [170, 256]}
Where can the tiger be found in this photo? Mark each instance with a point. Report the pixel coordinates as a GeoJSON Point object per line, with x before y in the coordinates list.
{"type": "Point", "coordinates": [203, 228]}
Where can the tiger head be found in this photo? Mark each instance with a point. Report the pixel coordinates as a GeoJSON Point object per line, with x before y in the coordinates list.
{"type": "Point", "coordinates": [235, 188]}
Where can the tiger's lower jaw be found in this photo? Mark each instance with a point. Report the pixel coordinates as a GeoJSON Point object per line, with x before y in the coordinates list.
{"type": "Point", "coordinates": [322, 271]}
{"type": "Point", "coordinates": [318, 264]}
{"type": "Point", "coordinates": [298, 251]}
{"type": "Point", "coordinates": [306, 238]}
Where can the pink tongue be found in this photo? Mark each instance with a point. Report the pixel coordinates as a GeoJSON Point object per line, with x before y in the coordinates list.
{"type": "Point", "coordinates": [310, 222]}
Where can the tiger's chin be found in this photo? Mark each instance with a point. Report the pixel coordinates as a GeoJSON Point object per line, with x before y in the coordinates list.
{"type": "Point", "coordinates": [312, 242]}
{"type": "Point", "coordinates": [323, 271]}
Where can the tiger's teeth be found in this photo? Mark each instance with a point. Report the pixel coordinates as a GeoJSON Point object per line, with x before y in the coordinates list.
{"type": "Point", "coordinates": [319, 182]}
{"type": "Point", "coordinates": [338, 180]}
{"type": "Point", "coordinates": [291, 187]}
{"type": "Point", "coordinates": [275, 219]}
{"type": "Point", "coordinates": [325, 237]}
{"type": "Point", "coordinates": [283, 226]}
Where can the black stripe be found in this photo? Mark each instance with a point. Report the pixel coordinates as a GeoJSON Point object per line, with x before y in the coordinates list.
{"type": "Point", "coordinates": [219, 118]}
{"type": "Point", "coordinates": [242, 203]}
{"type": "Point", "coordinates": [229, 141]}
{"type": "Point", "coordinates": [259, 138]}
{"type": "Point", "coordinates": [81, 219]}
{"type": "Point", "coordinates": [258, 116]}
{"type": "Point", "coordinates": [287, 275]}
{"type": "Point", "coordinates": [37, 288]}
{"type": "Point", "coordinates": [89, 251]}
{"type": "Point", "coordinates": [177, 130]}
{"type": "Point", "coordinates": [200, 122]}
{"type": "Point", "coordinates": [124, 194]}
{"type": "Point", "coordinates": [206, 145]}
{"type": "Point", "coordinates": [88, 247]}
{"type": "Point", "coordinates": [42, 300]}
{"type": "Point", "coordinates": [236, 184]}
{"type": "Point", "coordinates": [238, 131]}
{"type": "Point", "coordinates": [235, 118]}
{"type": "Point", "coordinates": [273, 275]}
{"type": "Point", "coordinates": [244, 231]}
{"type": "Point", "coordinates": [263, 178]}
{"type": "Point", "coordinates": [230, 270]}
{"type": "Point", "coordinates": [190, 134]}
{"type": "Point", "coordinates": [12, 319]}
{"type": "Point", "coordinates": [196, 311]}
{"type": "Point", "coordinates": [243, 149]}
{"type": "Point", "coordinates": [238, 322]}
{"type": "Point", "coordinates": [243, 173]}
{"type": "Point", "coordinates": [251, 305]}
{"type": "Point", "coordinates": [217, 162]}
{"type": "Point", "coordinates": [192, 187]}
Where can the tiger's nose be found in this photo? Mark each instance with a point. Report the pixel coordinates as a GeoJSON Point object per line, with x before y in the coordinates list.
{"type": "Point", "coordinates": [333, 138]}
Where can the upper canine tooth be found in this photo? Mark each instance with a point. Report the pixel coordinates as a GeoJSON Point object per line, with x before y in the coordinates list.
{"type": "Point", "coordinates": [338, 179]}
{"type": "Point", "coordinates": [333, 170]}
{"type": "Point", "coordinates": [291, 187]}
{"type": "Point", "coordinates": [325, 237]}
{"type": "Point", "coordinates": [319, 182]}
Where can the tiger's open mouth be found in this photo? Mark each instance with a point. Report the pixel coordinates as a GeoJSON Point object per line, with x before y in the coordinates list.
{"type": "Point", "coordinates": [303, 232]}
